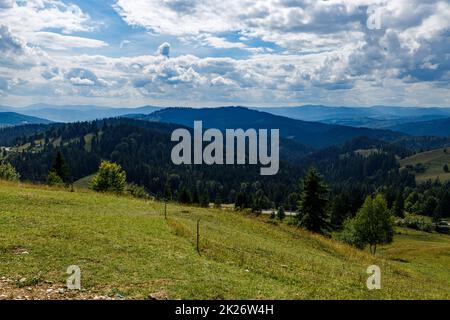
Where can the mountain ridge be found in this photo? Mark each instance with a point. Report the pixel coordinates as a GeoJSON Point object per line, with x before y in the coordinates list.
{"type": "Point", "coordinates": [313, 134]}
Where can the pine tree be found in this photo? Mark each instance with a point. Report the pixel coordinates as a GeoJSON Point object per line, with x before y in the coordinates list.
{"type": "Point", "coordinates": [313, 205]}
{"type": "Point", "coordinates": [399, 205]}
{"type": "Point", "coordinates": [281, 214]}
{"type": "Point", "coordinates": [60, 167]}
{"type": "Point", "coordinates": [446, 170]}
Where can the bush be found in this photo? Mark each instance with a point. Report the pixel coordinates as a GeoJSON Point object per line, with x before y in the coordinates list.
{"type": "Point", "coordinates": [137, 191]}
{"type": "Point", "coordinates": [350, 236]}
{"type": "Point", "coordinates": [54, 179]}
{"type": "Point", "coordinates": [110, 178]}
{"type": "Point", "coordinates": [8, 172]}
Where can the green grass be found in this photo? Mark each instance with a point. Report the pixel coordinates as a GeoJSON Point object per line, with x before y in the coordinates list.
{"type": "Point", "coordinates": [433, 161]}
{"type": "Point", "coordinates": [125, 245]}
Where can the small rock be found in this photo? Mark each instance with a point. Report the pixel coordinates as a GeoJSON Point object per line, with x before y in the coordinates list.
{"type": "Point", "coordinates": [161, 295]}
{"type": "Point", "coordinates": [22, 280]}
{"type": "Point", "coordinates": [49, 290]}
{"type": "Point", "coordinates": [61, 290]}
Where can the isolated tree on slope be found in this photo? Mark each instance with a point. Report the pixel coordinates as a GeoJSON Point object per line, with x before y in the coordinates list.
{"type": "Point", "coordinates": [313, 205]}
{"type": "Point", "coordinates": [371, 226]}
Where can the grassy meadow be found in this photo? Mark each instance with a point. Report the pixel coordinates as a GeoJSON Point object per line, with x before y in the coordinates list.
{"type": "Point", "coordinates": [433, 161]}
{"type": "Point", "coordinates": [125, 246]}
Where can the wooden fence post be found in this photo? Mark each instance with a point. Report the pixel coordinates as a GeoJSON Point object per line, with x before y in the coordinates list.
{"type": "Point", "coordinates": [198, 236]}
{"type": "Point", "coordinates": [165, 209]}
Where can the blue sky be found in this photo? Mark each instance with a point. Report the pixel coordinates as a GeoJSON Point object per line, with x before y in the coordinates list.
{"type": "Point", "coordinates": [215, 52]}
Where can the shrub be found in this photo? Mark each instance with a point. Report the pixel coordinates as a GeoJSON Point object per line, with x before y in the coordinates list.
{"type": "Point", "coordinates": [109, 178]}
{"type": "Point", "coordinates": [137, 191]}
{"type": "Point", "coordinates": [53, 179]}
{"type": "Point", "coordinates": [281, 214]}
{"type": "Point", "coordinates": [8, 172]}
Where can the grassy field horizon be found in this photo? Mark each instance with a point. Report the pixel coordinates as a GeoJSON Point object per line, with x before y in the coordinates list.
{"type": "Point", "coordinates": [126, 248]}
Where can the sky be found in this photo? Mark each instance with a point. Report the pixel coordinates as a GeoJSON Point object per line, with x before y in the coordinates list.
{"type": "Point", "coordinates": [216, 52]}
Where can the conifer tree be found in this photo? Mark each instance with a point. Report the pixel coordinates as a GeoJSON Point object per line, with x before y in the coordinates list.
{"type": "Point", "coordinates": [313, 205]}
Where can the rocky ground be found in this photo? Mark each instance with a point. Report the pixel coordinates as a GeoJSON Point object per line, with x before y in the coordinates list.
{"type": "Point", "coordinates": [30, 289]}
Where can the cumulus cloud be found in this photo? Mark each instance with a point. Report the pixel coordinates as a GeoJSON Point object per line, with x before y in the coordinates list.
{"type": "Point", "coordinates": [164, 50]}
{"type": "Point", "coordinates": [288, 51]}
{"type": "Point", "coordinates": [15, 53]}
{"type": "Point", "coordinates": [83, 77]}
{"type": "Point", "coordinates": [32, 20]}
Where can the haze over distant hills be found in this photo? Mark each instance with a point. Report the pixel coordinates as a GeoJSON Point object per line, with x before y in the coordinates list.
{"type": "Point", "coordinates": [72, 113]}
{"type": "Point", "coordinates": [370, 117]}
{"type": "Point", "coordinates": [437, 127]}
{"type": "Point", "coordinates": [410, 120]}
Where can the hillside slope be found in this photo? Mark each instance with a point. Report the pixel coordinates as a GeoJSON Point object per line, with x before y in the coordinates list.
{"type": "Point", "coordinates": [125, 248]}
{"type": "Point", "coordinates": [433, 163]}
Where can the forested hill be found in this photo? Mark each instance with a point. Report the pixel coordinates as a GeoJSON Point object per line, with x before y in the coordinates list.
{"type": "Point", "coordinates": [143, 149]}
{"type": "Point", "coordinates": [313, 134]}
{"type": "Point", "coordinates": [13, 119]}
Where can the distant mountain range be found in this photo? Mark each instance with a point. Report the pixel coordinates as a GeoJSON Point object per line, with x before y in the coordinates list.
{"type": "Point", "coordinates": [73, 113]}
{"type": "Point", "coordinates": [312, 134]}
{"type": "Point", "coordinates": [410, 120]}
{"type": "Point", "coordinates": [438, 127]}
{"type": "Point", "coordinates": [377, 117]}
{"type": "Point", "coordinates": [12, 119]}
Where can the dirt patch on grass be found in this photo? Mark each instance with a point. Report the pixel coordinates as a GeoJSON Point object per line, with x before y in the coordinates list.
{"type": "Point", "coordinates": [37, 289]}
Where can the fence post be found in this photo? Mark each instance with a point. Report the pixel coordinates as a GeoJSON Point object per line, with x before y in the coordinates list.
{"type": "Point", "coordinates": [198, 236]}
{"type": "Point", "coordinates": [165, 209]}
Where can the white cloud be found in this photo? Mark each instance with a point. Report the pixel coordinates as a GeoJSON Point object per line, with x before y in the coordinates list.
{"type": "Point", "coordinates": [290, 51]}
{"type": "Point", "coordinates": [15, 53]}
{"type": "Point", "coordinates": [56, 41]}
{"type": "Point", "coordinates": [31, 20]}
{"type": "Point", "coordinates": [164, 49]}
